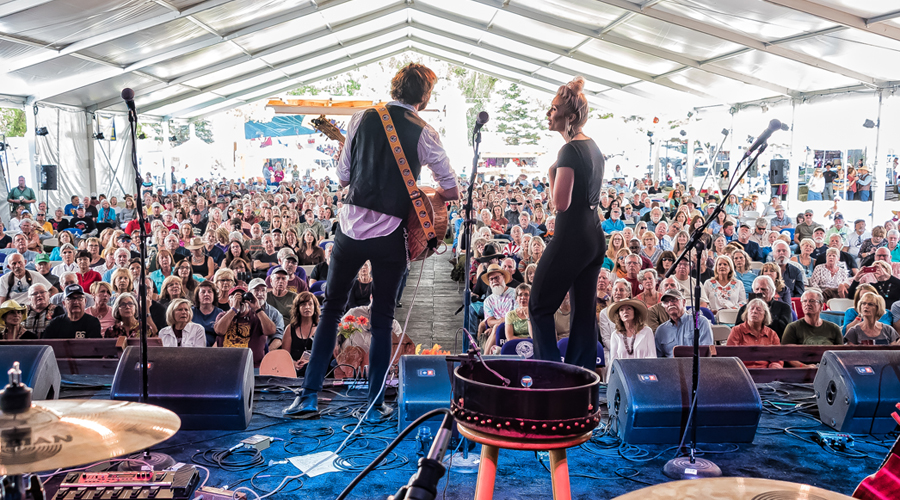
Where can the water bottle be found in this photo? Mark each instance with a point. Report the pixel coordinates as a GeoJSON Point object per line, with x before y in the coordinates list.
{"type": "Point", "coordinates": [423, 441]}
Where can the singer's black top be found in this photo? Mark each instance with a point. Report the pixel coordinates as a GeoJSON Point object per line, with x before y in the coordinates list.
{"type": "Point", "coordinates": [585, 158]}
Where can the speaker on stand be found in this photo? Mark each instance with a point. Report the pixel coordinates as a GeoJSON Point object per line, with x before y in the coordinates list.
{"type": "Point", "coordinates": [778, 177]}
{"type": "Point", "coordinates": [48, 182]}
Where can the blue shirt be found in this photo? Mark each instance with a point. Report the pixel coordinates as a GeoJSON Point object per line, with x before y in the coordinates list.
{"type": "Point", "coordinates": [610, 225]}
{"type": "Point", "coordinates": [669, 335]}
{"type": "Point", "coordinates": [70, 209]}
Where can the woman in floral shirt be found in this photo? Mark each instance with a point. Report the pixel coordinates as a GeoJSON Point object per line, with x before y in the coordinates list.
{"type": "Point", "coordinates": [723, 290]}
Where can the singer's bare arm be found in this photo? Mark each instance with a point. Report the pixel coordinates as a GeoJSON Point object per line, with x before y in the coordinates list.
{"type": "Point", "coordinates": [561, 181]}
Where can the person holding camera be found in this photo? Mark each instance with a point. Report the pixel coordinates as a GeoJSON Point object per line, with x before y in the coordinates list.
{"type": "Point", "coordinates": [244, 324]}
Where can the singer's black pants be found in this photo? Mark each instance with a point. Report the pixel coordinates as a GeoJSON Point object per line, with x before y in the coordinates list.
{"type": "Point", "coordinates": [388, 257]}
{"type": "Point", "coordinates": [571, 263]}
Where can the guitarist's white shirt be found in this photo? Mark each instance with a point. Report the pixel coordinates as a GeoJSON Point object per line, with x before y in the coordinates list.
{"type": "Point", "coordinates": [363, 224]}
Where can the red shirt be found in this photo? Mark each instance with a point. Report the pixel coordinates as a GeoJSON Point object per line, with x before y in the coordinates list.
{"type": "Point", "coordinates": [134, 224]}
{"type": "Point", "coordinates": [87, 279]}
{"type": "Point", "coordinates": [742, 335]}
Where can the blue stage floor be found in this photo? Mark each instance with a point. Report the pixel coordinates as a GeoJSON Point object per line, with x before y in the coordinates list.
{"type": "Point", "coordinates": [600, 469]}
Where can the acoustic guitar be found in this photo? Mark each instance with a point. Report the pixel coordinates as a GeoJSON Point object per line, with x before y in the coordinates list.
{"type": "Point", "coordinates": [433, 203]}
{"type": "Point", "coordinates": [884, 483]}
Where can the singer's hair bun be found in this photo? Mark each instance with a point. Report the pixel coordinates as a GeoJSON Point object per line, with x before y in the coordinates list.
{"type": "Point", "coordinates": [576, 85]}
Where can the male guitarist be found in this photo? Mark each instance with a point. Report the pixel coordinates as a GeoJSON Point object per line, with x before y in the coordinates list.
{"type": "Point", "coordinates": [373, 224]}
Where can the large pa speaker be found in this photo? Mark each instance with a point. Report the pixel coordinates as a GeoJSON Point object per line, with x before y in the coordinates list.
{"type": "Point", "coordinates": [856, 390]}
{"type": "Point", "coordinates": [38, 366]}
{"type": "Point", "coordinates": [778, 171]}
{"type": "Point", "coordinates": [210, 389]}
{"type": "Point", "coordinates": [649, 400]}
{"type": "Point", "coordinates": [48, 177]}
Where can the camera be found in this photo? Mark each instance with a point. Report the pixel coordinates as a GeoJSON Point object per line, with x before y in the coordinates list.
{"type": "Point", "coordinates": [248, 297]}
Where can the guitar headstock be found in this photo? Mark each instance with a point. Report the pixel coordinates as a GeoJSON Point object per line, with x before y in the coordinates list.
{"type": "Point", "coordinates": [325, 126]}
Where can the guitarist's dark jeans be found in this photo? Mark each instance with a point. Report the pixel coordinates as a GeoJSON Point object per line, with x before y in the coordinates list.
{"type": "Point", "coordinates": [388, 257]}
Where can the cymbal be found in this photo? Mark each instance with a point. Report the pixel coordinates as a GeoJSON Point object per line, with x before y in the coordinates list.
{"type": "Point", "coordinates": [732, 488]}
{"type": "Point", "coordinates": [71, 432]}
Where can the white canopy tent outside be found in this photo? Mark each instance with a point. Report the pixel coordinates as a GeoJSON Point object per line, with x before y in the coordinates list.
{"type": "Point", "coordinates": [65, 63]}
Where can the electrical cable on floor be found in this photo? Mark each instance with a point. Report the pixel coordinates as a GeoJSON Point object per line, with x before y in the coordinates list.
{"type": "Point", "coordinates": [237, 458]}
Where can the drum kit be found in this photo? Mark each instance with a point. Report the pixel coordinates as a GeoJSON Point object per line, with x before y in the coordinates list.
{"type": "Point", "coordinates": [52, 435]}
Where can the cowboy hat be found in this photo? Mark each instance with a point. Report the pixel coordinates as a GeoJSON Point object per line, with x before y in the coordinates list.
{"type": "Point", "coordinates": [495, 268]}
{"type": "Point", "coordinates": [490, 252]}
{"type": "Point", "coordinates": [194, 244]}
{"type": "Point", "coordinates": [8, 306]}
{"type": "Point", "coordinates": [640, 312]}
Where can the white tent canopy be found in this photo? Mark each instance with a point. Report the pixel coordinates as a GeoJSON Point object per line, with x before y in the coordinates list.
{"type": "Point", "coordinates": [193, 58]}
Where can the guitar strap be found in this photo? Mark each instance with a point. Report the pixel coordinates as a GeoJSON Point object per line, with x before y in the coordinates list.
{"type": "Point", "coordinates": [414, 193]}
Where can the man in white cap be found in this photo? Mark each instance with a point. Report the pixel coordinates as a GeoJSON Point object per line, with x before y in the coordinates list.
{"type": "Point", "coordinates": [258, 289]}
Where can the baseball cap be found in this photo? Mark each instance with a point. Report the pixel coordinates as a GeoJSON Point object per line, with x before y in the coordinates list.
{"type": "Point", "coordinates": [155, 204]}
{"type": "Point", "coordinates": [838, 216]}
{"type": "Point", "coordinates": [255, 282]}
{"type": "Point", "coordinates": [124, 237]}
{"type": "Point", "coordinates": [80, 207]}
{"type": "Point", "coordinates": [195, 212]}
{"type": "Point", "coordinates": [672, 293]}
{"type": "Point", "coordinates": [280, 270]}
{"type": "Point", "coordinates": [808, 212]}
{"type": "Point", "coordinates": [761, 222]}
{"type": "Point", "coordinates": [42, 257]}
{"type": "Point", "coordinates": [239, 288]}
{"type": "Point", "coordinates": [73, 289]}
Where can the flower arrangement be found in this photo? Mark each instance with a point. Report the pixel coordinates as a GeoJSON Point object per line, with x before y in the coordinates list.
{"type": "Point", "coordinates": [352, 324]}
{"type": "Point", "coordinates": [435, 350]}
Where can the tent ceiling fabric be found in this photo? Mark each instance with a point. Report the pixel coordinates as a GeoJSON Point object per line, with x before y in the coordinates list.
{"type": "Point", "coordinates": [187, 58]}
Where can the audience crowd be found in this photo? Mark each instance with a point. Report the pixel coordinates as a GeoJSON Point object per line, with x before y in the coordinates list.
{"type": "Point", "coordinates": [767, 276]}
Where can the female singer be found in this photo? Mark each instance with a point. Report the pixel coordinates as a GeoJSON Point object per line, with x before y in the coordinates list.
{"type": "Point", "coordinates": [573, 259]}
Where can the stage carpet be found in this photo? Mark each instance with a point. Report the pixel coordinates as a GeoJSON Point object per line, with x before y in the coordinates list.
{"type": "Point", "coordinates": [600, 469]}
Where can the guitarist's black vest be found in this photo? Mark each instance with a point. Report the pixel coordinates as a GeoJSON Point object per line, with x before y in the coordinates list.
{"type": "Point", "coordinates": [375, 180]}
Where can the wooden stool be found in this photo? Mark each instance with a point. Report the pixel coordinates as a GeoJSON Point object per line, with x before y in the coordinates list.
{"type": "Point", "coordinates": [490, 450]}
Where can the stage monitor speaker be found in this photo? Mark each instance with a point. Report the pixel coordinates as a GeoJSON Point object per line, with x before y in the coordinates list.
{"type": "Point", "coordinates": [39, 368]}
{"type": "Point", "coordinates": [48, 177]}
{"type": "Point", "coordinates": [856, 390]}
{"type": "Point", "coordinates": [424, 386]}
{"type": "Point", "coordinates": [778, 171]}
{"type": "Point", "coordinates": [210, 389]}
{"type": "Point", "coordinates": [649, 400]}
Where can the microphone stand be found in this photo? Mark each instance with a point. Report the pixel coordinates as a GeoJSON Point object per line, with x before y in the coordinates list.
{"type": "Point", "coordinates": [713, 163]}
{"type": "Point", "coordinates": [693, 467]}
{"type": "Point", "coordinates": [158, 461]}
{"type": "Point", "coordinates": [467, 238]}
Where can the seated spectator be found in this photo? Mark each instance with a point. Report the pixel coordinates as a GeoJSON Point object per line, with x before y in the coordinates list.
{"type": "Point", "coordinates": [632, 267]}
{"type": "Point", "coordinates": [885, 284]}
{"type": "Point", "coordinates": [125, 315]}
{"type": "Point", "coordinates": [723, 290]}
{"type": "Point", "coordinates": [200, 263]}
{"type": "Point", "coordinates": [166, 268]}
{"type": "Point", "coordinates": [634, 246]}
{"type": "Point", "coordinates": [102, 292]}
{"type": "Point", "coordinates": [649, 296]}
{"type": "Point", "coordinates": [806, 260]}
{"type": "Point", "coordinates": [182, 331]}
{"type": "Point", "coordinates": [684, 277]}
{"type": "Point", "coordinates": [666, 259]}
{"type": "Point", "coordinates": [753, 330]}
{"type": "Point", "coordinates": [205, 309]}
{"type": "Point", "coordinates": [830, 276]}
{"type": "Point", "coordinates": [259, 290]}
{"type": "Point", "coordinates": [871, 330]}
{"type": "Point", "coordinates": [172, 289]}
{"type": "Point", "coordinates": [836, 241]}
{"type": "Point", "coordinates": [75, 324]}
{"type": "Point", "coordinates": [535, 250]}
{"type": "Point", "coordinates": [679, 328]}
{"type": "Point", "coordinates": [310, 253]}
{"type": "Point", "coordinates": [361, 287]}
{"type": "Point", "coordinates": [515, 322]}
{"type": "Point", "coordinates": [811, 329]}
{"type": "Point", "coordinates": [632, 338]}
{"type": "Point", "coordinates": [40, 311]}
{"type": "Point", "coordinates": [19, 247]}
{"type": "Point", "coordinates": [188, 279]}
{"type": "Point", "coordinates": [287, 260]}
{"type": "Point", "coordinates": [780, 312]}
{"type": "Point", "coordinates": [650, 250]}
{"type": "Point", "coordinates": [782, 292]}
{"type": "Point", "coordinates": [12, 321]}
{"type": "Point", "coordinates": [241, 270]}
{"type": "Point", "coordinates": [852, 317]}
{"type": "Point", "coordinates": [15, 284]}
{"type": "Point", "coordinates": [742, 270]}
{"type": "Point", "coordinates": [621, 290]}
{"type": "Point", "coordinates": [301, 328]}
{"type": "Point", "coordinates": [244, 324]}
{"type": "Point", "coordinates": [791, 273]}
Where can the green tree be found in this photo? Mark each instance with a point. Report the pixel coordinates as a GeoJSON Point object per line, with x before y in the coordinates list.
{"type": "Point", "coordinates": [12, 122]}
{"type": "Point", "coordinates": [150, 130]}
{"type": "Point", "coordinates": [520, 119]}
{"type": "Point", "coordinates": [476, 88]}
{"type": "Point", "coordinates": [203, 129]}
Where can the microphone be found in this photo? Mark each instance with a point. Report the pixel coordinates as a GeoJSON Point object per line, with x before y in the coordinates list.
{"type": "Point", "coordinates": [128, 97]}
{"type": "Point", "coordinates": [785, 127]}
{"type": "Point", "coordinates": [423, 484]}
{"type": "Point", "coordinates": [763, 137]}
{"type": "Point", "coordinates": [483, 118]}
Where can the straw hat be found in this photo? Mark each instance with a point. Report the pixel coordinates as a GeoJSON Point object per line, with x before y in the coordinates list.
{"type": "Point", "coordinates": [10, 305]}
{"type": "Point", "coordinates": [640, 312]}
{"type": "Point", "coordinates": [194, 244]}
{"type": "Point", "coordinates": [495, 268]}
